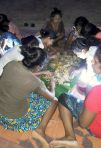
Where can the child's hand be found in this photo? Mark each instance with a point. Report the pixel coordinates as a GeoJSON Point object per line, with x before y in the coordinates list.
{"type": "Point", "coordinates": [58, 34]}
{"type": "Point", "coordinates": [48, 73]}
{"type": "Point", "coordinates": [52, 84]}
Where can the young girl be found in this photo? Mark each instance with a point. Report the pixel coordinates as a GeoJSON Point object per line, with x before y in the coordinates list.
{"type": "Point", "coordinates": [76, 30]}
{"type": "Point", "coordinates": [56, 25]}
{"type": "Point", "coordinates": [87, 113]}
{"type": "Point", "coordinates": [86, 76]}
{"type": "Point", "coordinates": [25, 109]}
{"type": "Point", "coordinates": [44, 40]}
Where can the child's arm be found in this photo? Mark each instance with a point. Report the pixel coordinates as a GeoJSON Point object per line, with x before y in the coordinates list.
{"type": "Point", "coordinates": [46, 72]}
{"type": "Point", "coordinates": [49, 94]}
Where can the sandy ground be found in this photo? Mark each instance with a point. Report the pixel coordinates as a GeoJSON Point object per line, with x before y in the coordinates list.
{"type": "Point", "coordinates": [37, 11]}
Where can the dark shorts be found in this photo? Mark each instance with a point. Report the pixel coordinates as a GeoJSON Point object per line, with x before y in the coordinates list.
{"type": "Point", "coordinates": [73, 104]}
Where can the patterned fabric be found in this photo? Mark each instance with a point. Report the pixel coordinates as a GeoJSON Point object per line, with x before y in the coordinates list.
{"type": "Point", "coordinates": [38, 105]}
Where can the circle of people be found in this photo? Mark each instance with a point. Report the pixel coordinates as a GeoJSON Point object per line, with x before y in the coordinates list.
{"type": "Point", "coordinates": [25, 102]}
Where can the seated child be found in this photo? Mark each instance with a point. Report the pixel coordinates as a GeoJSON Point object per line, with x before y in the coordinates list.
{"type": "Point", "coordinates": [56, 25]}
{"type": "Point", "coordinates": [76, 30]}
{"type": "Point", "coordinates": [86, 77]}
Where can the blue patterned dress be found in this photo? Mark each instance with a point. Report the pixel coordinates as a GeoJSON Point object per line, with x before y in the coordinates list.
{"type": "Point", "coordinates": [38, 105]}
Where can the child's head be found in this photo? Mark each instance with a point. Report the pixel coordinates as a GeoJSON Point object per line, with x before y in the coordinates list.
{"type": "Point", "coordinates": [48, 36]}
{"type": "Point", "coordinates": [30, 41]}
{"type": "Point", "coordinates": [4, 23]}
{"type": "Point", "coordinates": [80, 47]}
{"type": "Point", "coordinates": [90, 30]}
{"type": "Point", "coordinates": [96, 62]}
{"type": "Point", "coordinates": [79, 24]}
{"type": "Point", "coordinates": [56, 15]}
{"type": "Point", "coordinates": [34, 57]}
{"type": "Point", "coordinates": [3, 18]}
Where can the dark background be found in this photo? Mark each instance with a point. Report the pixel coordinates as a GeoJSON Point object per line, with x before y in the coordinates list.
{"type": "Point", "coordinates": [37, 11]}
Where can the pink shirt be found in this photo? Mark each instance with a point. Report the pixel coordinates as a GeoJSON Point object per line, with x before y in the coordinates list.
{"type": "Point", "coordinates": [93, 104]}
{"type": "Point", "coordinates": [98, 35]}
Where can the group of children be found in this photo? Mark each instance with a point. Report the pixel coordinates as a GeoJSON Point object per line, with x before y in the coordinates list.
{"type": "Point", "coordinates": [84, 40]}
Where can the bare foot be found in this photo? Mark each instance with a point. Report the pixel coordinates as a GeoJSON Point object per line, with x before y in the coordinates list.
{"type": "Point", "coordinates": [40, 132]}
{"type": "Point", "coordinates": [47, 138]}
{"type": "Point", "coordinates": [41, 139]}
{"type": "Point", "coordinates": [64, 143]}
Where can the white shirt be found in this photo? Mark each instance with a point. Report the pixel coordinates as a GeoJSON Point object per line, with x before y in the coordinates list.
{"type": "Point", "coordinates": [12, 54]}
{"type": "Point", "coordinates": [40, 42]}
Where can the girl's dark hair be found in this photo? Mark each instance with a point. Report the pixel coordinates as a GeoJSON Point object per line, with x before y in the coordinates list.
{"type": "Point", "coordinates": [56, 11]}
{"type": "Point", "coordinates": [4, 18]}
{"type": "Point", "coordinates": [4, 28]}
{"type": "Point", "coordinates": [80, 21]}
{"type": "Point", "coordinates": [4, 23]}
{"type": "Point", "coordinates": [90, 30]}
{"type": "Point", "coordinates": [92, 41]}
{"type": "Point", "coordinates": [47, 33]}
{"type": "Point", "coordinates": [79, 44]}
{"type": "Point", "coordinates": [32, 40]}
{"type": "Point", "coordinates": [84, 43]}
{"type": "Point", "coordinates": [98, 53]}
{"type": "Point", "coordinates": [34, 57]}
